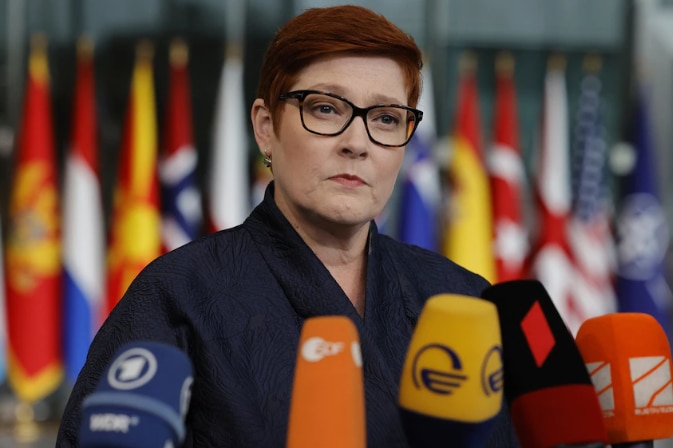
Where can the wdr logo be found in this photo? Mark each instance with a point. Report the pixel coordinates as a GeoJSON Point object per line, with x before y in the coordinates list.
{"type": "Point", "coordinates": [652, 388]}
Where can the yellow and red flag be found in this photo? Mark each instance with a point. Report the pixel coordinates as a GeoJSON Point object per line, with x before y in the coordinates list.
{"type": "Point", "coordinates": [468, 237]}
{"type": "Point", "coordinates": [33, 258]}
{"type": "Point", "coordinates": [135, 237]}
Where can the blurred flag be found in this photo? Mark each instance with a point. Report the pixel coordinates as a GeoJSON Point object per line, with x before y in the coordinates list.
{"type": "Point", "coordinates": [421, 188]}
{"type": "Point", "coordinates": [550, 259]}
{"type": "Point", "coordinates": [507, 177]}
{"type": "Point", "coordinates": [229, 188]}
{"type": "Point", "coordinates": [33, 245]}
{"type": "Point", "coordinates": [180, 195]}
{"type": "Point", "coordinates": [642, 232]}
{"type": "Point", "coordinates": [136, 222]}
{"type": "Point", "coordinates": [590, 235]}
{"type": "Point", "coordinates": [468, 237]}
{"type": "Point", "coordinates": [83, 224]}
{"type": "Point", "coordinates": [3, 312]}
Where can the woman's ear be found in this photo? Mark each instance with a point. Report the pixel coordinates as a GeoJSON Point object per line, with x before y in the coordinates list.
{"type": "Point", "coordinates": [262, 124]}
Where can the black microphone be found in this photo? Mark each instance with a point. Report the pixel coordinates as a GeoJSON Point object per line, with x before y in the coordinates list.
{"type": "Point", "coordinates": [140, 401]}
{"type": "Point", "coordinates": [551, 397]}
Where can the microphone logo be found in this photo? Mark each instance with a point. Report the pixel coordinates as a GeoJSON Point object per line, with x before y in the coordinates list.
{"type": "Point", "coordinates": [132, 369]}
{"type": "Point", "coordinates": [492, 374]}
{"type": "Point", "coordinates": [652, 389]}
{"type": "Point", "coordinates": [538, 334]}
{"type": "Point", "coordinates": [316, 348]}
{"type": "Point", "coordinates": [601, 377]}
{"type": "Point", "coordinates": [438, 368]}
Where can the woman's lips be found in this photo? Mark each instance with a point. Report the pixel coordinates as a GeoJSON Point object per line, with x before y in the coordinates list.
{"type": "Point", "coordinates": [348, 180]}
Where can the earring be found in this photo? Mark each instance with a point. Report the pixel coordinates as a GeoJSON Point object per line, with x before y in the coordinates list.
{"type": "Point", "coordinates": [267, 159]}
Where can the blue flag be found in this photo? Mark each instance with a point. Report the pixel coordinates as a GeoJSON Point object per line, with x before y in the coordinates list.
{"type": "Point", "coordinates": [420, 192]}
{"type": "Point", "coordinates": [418, 198]}
{"type": "Point", "coordinates": [642, 232]}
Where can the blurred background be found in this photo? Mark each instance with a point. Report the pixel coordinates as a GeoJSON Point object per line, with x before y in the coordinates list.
{"type": "Point", "coordinates": [545, 150]}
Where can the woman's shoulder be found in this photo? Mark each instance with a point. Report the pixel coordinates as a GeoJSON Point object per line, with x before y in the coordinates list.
{"type": "Point", "coordinates": [431, 267]}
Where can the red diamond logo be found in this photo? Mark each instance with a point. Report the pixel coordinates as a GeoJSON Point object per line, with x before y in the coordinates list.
{"type": "Point", "coordinates": [538, 334]}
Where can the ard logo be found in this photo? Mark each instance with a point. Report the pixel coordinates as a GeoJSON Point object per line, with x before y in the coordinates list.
{"type": "Point", "coordinates": [132, 369]}
{"type": "Point", "coordinates": [438, 369]}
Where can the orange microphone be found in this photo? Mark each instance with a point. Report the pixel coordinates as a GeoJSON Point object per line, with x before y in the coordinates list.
{"type": "Point", "coordinates": [629, 359]}
{"type": "Point", "coordinates": [327, 407]}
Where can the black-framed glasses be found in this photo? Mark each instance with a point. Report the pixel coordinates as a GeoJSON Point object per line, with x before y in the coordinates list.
{"type": "Point", "coordinates": [324, 113]}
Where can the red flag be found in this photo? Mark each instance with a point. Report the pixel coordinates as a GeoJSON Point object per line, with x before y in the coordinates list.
{"type": "Point", "coordinates": [180, 196]}
{"type": "Point", "coordinates": [136, 221]}
{"type": "Point", "coordinates": [33, 245]}
{"type": "Point", "coordinates": [468, 238]}
{"type": "Point", "coordinates": [550, 260]}
{"type": "Point", "coordinates": [507, 177]}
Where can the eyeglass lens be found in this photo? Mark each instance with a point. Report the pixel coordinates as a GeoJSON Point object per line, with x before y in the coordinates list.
{"type": "Point", "coordinates": [388, 125]}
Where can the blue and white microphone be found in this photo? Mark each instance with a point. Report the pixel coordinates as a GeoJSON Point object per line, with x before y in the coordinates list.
{"type": "Point", "coordinates": [141, 400]}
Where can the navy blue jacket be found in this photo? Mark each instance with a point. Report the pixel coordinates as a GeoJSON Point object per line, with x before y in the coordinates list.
{"type": "Point", "coordinates": [235, 302]}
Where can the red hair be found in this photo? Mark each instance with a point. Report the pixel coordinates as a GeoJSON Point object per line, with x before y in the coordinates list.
{"type": "Point", "coordinates": [338, 30]}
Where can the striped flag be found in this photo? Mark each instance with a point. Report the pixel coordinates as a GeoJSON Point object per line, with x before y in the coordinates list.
{"type": "Point", "coordinates": [642, 232]}
{"type": "Point", "coordinates": [83, 224]}
{"type": "Point", "coordinates": [136, 222]}
{"type": "Point", "coordinates": [590, 235]}
{"type": "Point", "coordinates": [180, 195]}
{"type": "Point", "coordinates": [229, 185]}
{"type": "Point", "coordinates": [550, 259]}
{"type": "Point", "coordinates": [507, 177]}
{"type": "Point", "coordinates": [421, 189]}
{"type": "Point", "coordinates": [468, 237]}
{"type": "Point", "coordinates": [33, 252]}
{"type": "Point", "coordinates": [3, 312]}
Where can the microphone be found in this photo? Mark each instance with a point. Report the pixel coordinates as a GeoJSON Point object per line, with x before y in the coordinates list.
{"type": "Point", "coordinates": [140, 401]}
{"type": "Point", "coordinates": [551, 398]}
{"type": "Point", "coordinates": [629, 358]}
{"type": "Point", "coordinates": [452, 379]}
{"type": "Point", "coordinates": [327, 407]}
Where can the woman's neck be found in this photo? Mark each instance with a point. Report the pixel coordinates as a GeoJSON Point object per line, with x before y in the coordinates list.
{"type": "Point", "coordinates": [346, 260]}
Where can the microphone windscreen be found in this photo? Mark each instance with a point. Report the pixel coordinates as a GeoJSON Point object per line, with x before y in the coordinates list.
{"type": "Point", "coordinates": [140, 401]}
{"type": "Point", "coordinates": [451, 384]}
{"type": "Point", "coordinates": [629, 358]}
{"type": "Point", "coordinates": [547, 386]}
{"type": "Point", "coordinates": [327, 407]}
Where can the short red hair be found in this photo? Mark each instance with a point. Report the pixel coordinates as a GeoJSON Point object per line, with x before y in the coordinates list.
{"type": "Point", "coordinates": [333, 31]}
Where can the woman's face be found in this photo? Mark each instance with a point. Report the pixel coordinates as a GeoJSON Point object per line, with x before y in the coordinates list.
{"type": "Point", "coordinates": [342, 180]}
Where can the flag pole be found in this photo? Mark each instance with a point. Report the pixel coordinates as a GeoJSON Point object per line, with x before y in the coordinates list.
{"type": "Point", "coordinates": [26, 430]}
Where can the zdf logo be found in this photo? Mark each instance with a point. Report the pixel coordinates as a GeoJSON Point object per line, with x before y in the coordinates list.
{"type": "Point", "coordinates": [316, 348]}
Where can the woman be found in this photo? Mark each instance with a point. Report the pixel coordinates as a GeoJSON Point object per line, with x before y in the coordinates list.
{"type": "Point", "coordinates": [235, 300]}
